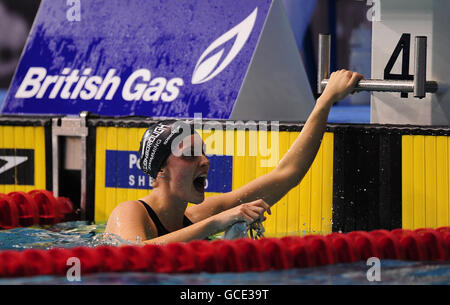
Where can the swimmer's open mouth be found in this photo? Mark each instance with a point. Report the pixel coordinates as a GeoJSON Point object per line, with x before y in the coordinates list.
{"type": "Point", "coordinates": [200, 183]}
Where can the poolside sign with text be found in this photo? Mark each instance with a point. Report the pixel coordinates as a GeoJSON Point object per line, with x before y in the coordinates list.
{"type": "Point", "coordinates": [121, 171]}
{"type": "Point", "coordinates": [225, 59]}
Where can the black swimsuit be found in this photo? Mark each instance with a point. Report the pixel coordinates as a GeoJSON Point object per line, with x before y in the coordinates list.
{"type": "Point", "coordinates": [159, 226]}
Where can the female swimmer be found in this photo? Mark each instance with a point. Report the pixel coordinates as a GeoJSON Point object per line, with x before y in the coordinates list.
{"type": "Point", "coordinates": [179, 174]}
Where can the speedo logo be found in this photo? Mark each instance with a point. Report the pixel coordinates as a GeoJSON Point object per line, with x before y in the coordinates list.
{"type": "Point", "coordinates": [73, 84]}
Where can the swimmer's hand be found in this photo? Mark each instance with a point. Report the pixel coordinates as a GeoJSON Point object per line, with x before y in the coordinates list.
{"type": "Point", "coordinates": [246, 212]}
{"type": "Point", "coordinates": [341, 84]}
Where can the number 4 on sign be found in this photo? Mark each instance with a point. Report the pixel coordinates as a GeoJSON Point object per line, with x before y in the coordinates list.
{"type": "Point", "coordinates": [403, 46]}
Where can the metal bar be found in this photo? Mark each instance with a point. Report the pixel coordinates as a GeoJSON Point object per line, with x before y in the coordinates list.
{"type": "Point", "coordinates": [83, 179]}
{"type": "Point", "coordinates": [419, 86]}
{"type": "Point", "coordinates": [420, 73]}
{"type": "Point", "coordinates": [324, 60]}
{"type": "Point", "coordinates": [380, 85]}
{"type": "Point", "coordinates": [55, 158]}
{"type": "Point", "coordinates": [83, 116]}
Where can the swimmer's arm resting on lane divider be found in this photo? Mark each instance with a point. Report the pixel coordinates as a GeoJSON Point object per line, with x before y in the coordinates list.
{"type": "Point", "coordinates": [295, 163]}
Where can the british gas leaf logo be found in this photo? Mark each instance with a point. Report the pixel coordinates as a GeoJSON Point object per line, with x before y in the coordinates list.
{"type": "Point", "coordinates": [209, 66]}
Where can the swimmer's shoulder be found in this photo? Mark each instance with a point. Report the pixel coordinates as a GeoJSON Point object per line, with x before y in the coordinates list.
{"type": "Point", "coordinates": [130, 216]}
{"type": "Point", "coordinates": [130, 208]}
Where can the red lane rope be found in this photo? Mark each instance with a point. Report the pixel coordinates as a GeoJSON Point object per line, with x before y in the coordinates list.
{"type": "Point", "coordinates": [37, 207]}
{"type": "Point", "coordinates": [9, 212]}
{"type": "Point", "coordinates": [29, 212]}
{"type": "Point", "coordinates": [240, 255]}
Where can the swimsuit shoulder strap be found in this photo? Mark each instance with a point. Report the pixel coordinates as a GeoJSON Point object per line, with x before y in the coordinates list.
{"type": "Point", "coordinates": [159, 226]}
{"type": "Point", "coordinates": [187, 222]}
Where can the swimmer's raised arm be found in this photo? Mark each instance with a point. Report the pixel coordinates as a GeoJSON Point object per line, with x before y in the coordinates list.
{"type": "Point", "coordinates": [295, 163]}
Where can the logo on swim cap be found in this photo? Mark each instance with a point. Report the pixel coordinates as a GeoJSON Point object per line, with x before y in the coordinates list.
{"type": "Point", "coordinates": [148, 150]}
{"type": "Point", "coordinates": [158, 142]}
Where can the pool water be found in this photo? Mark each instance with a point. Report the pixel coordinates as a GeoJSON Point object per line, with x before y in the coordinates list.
{"type": "Point", "coordinates": [62, 235]}
{"type": "Point", "coordinates": [75, 234]}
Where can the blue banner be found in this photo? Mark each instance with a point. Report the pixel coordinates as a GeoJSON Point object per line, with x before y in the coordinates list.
{"type": "Point", "coordinates": [158, 58]}
{"type": "Point", "coordinates": [122, 172]}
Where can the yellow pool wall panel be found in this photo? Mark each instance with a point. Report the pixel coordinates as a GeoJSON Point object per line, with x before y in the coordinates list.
{"type": "Point", "coordinates": [426, 181]}
{"type": "Point", "coordinates": [29, 138]}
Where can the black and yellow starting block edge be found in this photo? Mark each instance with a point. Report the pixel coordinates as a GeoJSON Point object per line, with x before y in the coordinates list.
{"type": "Point", "coordinates": [391, 177]}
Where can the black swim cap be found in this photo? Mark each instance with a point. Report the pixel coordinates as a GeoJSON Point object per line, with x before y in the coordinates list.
{"type": "Point", "coordinates": [156, 144]}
